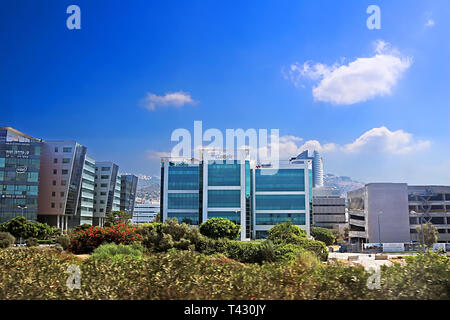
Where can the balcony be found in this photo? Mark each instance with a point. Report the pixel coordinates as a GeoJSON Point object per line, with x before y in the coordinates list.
{"type": "Point", "coordinates": [357, 212]}
{"type": "Point", "coordinates": [357, 234]}
{"type": "Point", "coordinates": [359, 223]}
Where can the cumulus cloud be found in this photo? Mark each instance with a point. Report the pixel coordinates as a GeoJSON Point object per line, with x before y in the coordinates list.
{"type": "Point", "coordinates": [379, 140]}
{"type": "Point", "coordinates": [358, 81]}
{"type": "Point", "coordinates": [174, 99]}
{"type": "Point", "coordinates": [156, 155]}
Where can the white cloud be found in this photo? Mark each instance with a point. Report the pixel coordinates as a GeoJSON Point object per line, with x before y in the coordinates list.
{"type": "Point", "coordinates": [156, 155]}
{"type": "Point", "coordinates": [376, 140]}
{"type": "Point", "coordinates": [430, 23]}
{"type": "Point", "coordinates": [175, 99]}
{"type": "Point", "coordinates": [358, 81]}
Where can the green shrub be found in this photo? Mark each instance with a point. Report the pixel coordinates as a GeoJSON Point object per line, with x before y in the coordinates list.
{"type": "Point", "coordinates": [20, 227]}
{"type": "Point", "coordinates": [46, 241]}
{"type": "Point", "coordinates": [324, 235]}
{"type": "Point", "coordinates": [6, 239]}
{"type": "Point", "coordinates": [285, 233]}
{"type": "Point", "coordinates": [32, 242]}
{"type": "Point", "coordinates": [63, 241]}
{"type": "Point", "coordinates": [217, 228]}
{"type": "Point", "coordinates": [118, 251]}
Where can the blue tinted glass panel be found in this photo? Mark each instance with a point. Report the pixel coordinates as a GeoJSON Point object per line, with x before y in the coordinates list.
{"type": "Point", "coordinates": [230, 215]}
{"type": "Point", "coordinates": [222, 173]}
{"type": "Point", "coordinates": [224, 198]}
{"type": "Point", "coordinates": [283, 180]}
{"type": "Point", "coordinates": [183, 178]}
{"type": "Point", "coordinates": [276, 218]}
{"type": "Point", "coordinates": [189, 218]}
{"type": "Point", "coordinates": [182, 200]}
{"type": "Point", "coordinates": [280, 202]}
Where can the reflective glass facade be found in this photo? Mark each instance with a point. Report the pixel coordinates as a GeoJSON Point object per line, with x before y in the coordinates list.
{"type": "Point", "coordinates": [19, 174]}
{"type": "Point", "coordinates": [224, 198]}
{"type": "Point", "coordinates": [283, 180]}
{"type": "Point", "coordinates": [280, 202]}
{"type": "Point", "coordinates": [222, 173]}
{"type": "Point", "coordinates": [276, 218]}
{"type": "Point", "coordinates": [234, 216]}
{"type": "Point", "coordinates": [191, 218]}
{"type": "Point", "coordinates": [182, 200]}
{"type": "Point", "coordinates": [183, 178]}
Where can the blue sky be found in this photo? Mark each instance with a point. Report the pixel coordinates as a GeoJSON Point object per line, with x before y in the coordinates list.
{"type": "Point", "coordinates": [376, 103]}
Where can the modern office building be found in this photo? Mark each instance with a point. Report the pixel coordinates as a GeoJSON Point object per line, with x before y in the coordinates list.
{"type": "Point", "coordinates": [128, 193]}
{"type": "Point", "coordinates": [328, 208]}
{"type": "Point", "coordinates": [432, 204]}
{"type": "Point", "coordinates": [85, 212]}
{"type": "Point", "coordinates": [317, 166]}
{"type": "Point", "coordinates": [20, 157]}
{"type": "Point", "coordinates": [378, 212]}
{"type": "Point", "coordinates": [250, 194]}
{"type": "Point", "coordinates": [62, 164]}
{"type": "Point", "coordinates": [145, 212]}
{"type": "Point", "coordinates": [107, 190]}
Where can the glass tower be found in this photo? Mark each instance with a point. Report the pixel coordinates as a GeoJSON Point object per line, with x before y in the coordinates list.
{"type": "Point", "coordinates": [20, 157]}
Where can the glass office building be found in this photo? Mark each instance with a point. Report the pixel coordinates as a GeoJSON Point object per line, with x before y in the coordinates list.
{"type": "Point", "coordinates": [128, 193]}
{"type": "Point", "coordinates": [252, 195]}
{"type": "Point", "coordinates": [20, 157]}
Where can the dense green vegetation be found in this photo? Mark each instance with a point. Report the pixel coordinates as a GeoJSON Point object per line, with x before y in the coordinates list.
{"type": "Point", "coordinates": [322, 234]}
{"type": "Point", "coordinates": [40, 273]}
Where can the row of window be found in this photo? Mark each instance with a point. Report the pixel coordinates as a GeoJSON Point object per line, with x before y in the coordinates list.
{"type": "Point", "coordinates": [434, 220]}
{"type": "Point", "coordinates": [437, 197]}
{"type": "Point", "coordinates": [63, 171]}
{"type": "Point", "coordinates": [439, 231]}
{"type": "Point", "coordinates": [282, 180]}
{"type": "Point", "coordinates": [12, 163]}
{"type": "Point", "coordinates": [64, 160]}
{"type": "Point", "coordinates": [65, 149]}
{"type": "Point", "coordinates": [11, 176]}
{"type": "Point", "coordinates": [276, 218]}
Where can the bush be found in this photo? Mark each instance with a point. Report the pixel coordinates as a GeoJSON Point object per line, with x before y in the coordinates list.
{"type": "Point", "coordinates": [161, 237]}
{"type": "Point", "coordinates": [63, 241]}
{"type": "Point", "coordinates": [6, 240]}
{"type": "Point", "coordinates": [324, 235]}
{"type": "Point", "coordinates": [84, 226]}
{"type": "Point", "coordinates": [46, 241]}
{"type": "Point", "coordinates": [216, 228]}
{"type": "Point", "coordinates": [85, 241]}
{"type": "Point", "coordinates": [32, 242]}
{"type": "Point", "coordinates": [285, 233]}
{"type": "Point", "coordinates": [118, 251]}
{"type": "Point", "coordinates": [20, 227]}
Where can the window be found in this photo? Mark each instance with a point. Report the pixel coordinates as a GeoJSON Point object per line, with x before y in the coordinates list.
{"type": "Point", "coordinates": [56, 149]}
{"type": "Point", "coordinates": [67, 149]}
{"type": "Point", "coordinates": [104, 185]}
{"type": "Point", "coordinates": [104, 177]}
{"type": "Point", "coordinates": [224, 198]}
{"type": "Point", "coordinates": [33, 176]}
{"type": "Point", "coordinates": [182, 201]}
{"type": "Point", "coordinates": [437, 220]}
{"type": "Point", "coordinates": [55, 171]}
{"type": "Point", "coordinates": [234, 216]}
{"type": "Point", "coordinates": [55, 160]}
{"type": "Point", "coordinates": [64, 171]}
{"type": "Point", "coordinates": [63, 182]}
{"type": "Point", "coordinates": [276, 218]}
{"type": "Point", "coordinates": [412, 220]}
{"type": "Point", "coordinates": [61, 194]}
{"type": "Point", "coordinates": [183, 178]}
{"type": "Point", "coordinates": [54, 182]}
{"type": "Point", "coordinates": [53, 205]}
{"type": "Point", "coordinates": [103, 193]}
{"type": "Point", "coordinates": [283, 180]}
{"type": "Point", "coordinates": [66, 160]}
{"type": "Point", "coordinates": [221, 173]}
{"type": "Point", "coordinates": [191, 218]}
{"type": "Point", "coordinates": [106, 168]}
{"type": "Point", "coordinates": [280, 202]}
{"type": "Point", "coordinates": [53, 194]}
{"type": "Point", "coordinates": [60, 205]}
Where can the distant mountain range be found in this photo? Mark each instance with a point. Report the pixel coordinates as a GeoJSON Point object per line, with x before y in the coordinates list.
{"type": "Point", "coordinates": [343, 183]}
{"type": "Point", "coordinates": [149, 186]}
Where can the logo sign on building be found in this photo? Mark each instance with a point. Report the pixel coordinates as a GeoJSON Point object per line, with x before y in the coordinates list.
{"type": "Point", "coordinates": [393, 247]}
{"type": "Point", "coordinates": [21, 169]}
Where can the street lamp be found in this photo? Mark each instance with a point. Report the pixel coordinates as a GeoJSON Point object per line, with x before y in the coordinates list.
{"type": "Point", "coordinates": [23, 207]}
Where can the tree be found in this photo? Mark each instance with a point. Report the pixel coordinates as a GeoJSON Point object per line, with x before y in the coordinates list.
{"type": "Point", "coordinates": [216, 228]}
{"type": "Point", "coordinates": [286, 232]}
{"type": "Point", "coordinates": [430, 234]}
{"type": "Point", "coordinates": [324, 235]}
{"type": "Point", "coordinates": [20, 227]}
{"type": "Point", "coordinates": [116, 217]}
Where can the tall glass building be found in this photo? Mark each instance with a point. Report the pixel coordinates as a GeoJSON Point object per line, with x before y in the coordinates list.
{"type": "Point", "coordinates": [20, 157]}
{"type": "Point", "coordinates": [128, 193]}
{"type": "Point", "coordinates": [247, 193]}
